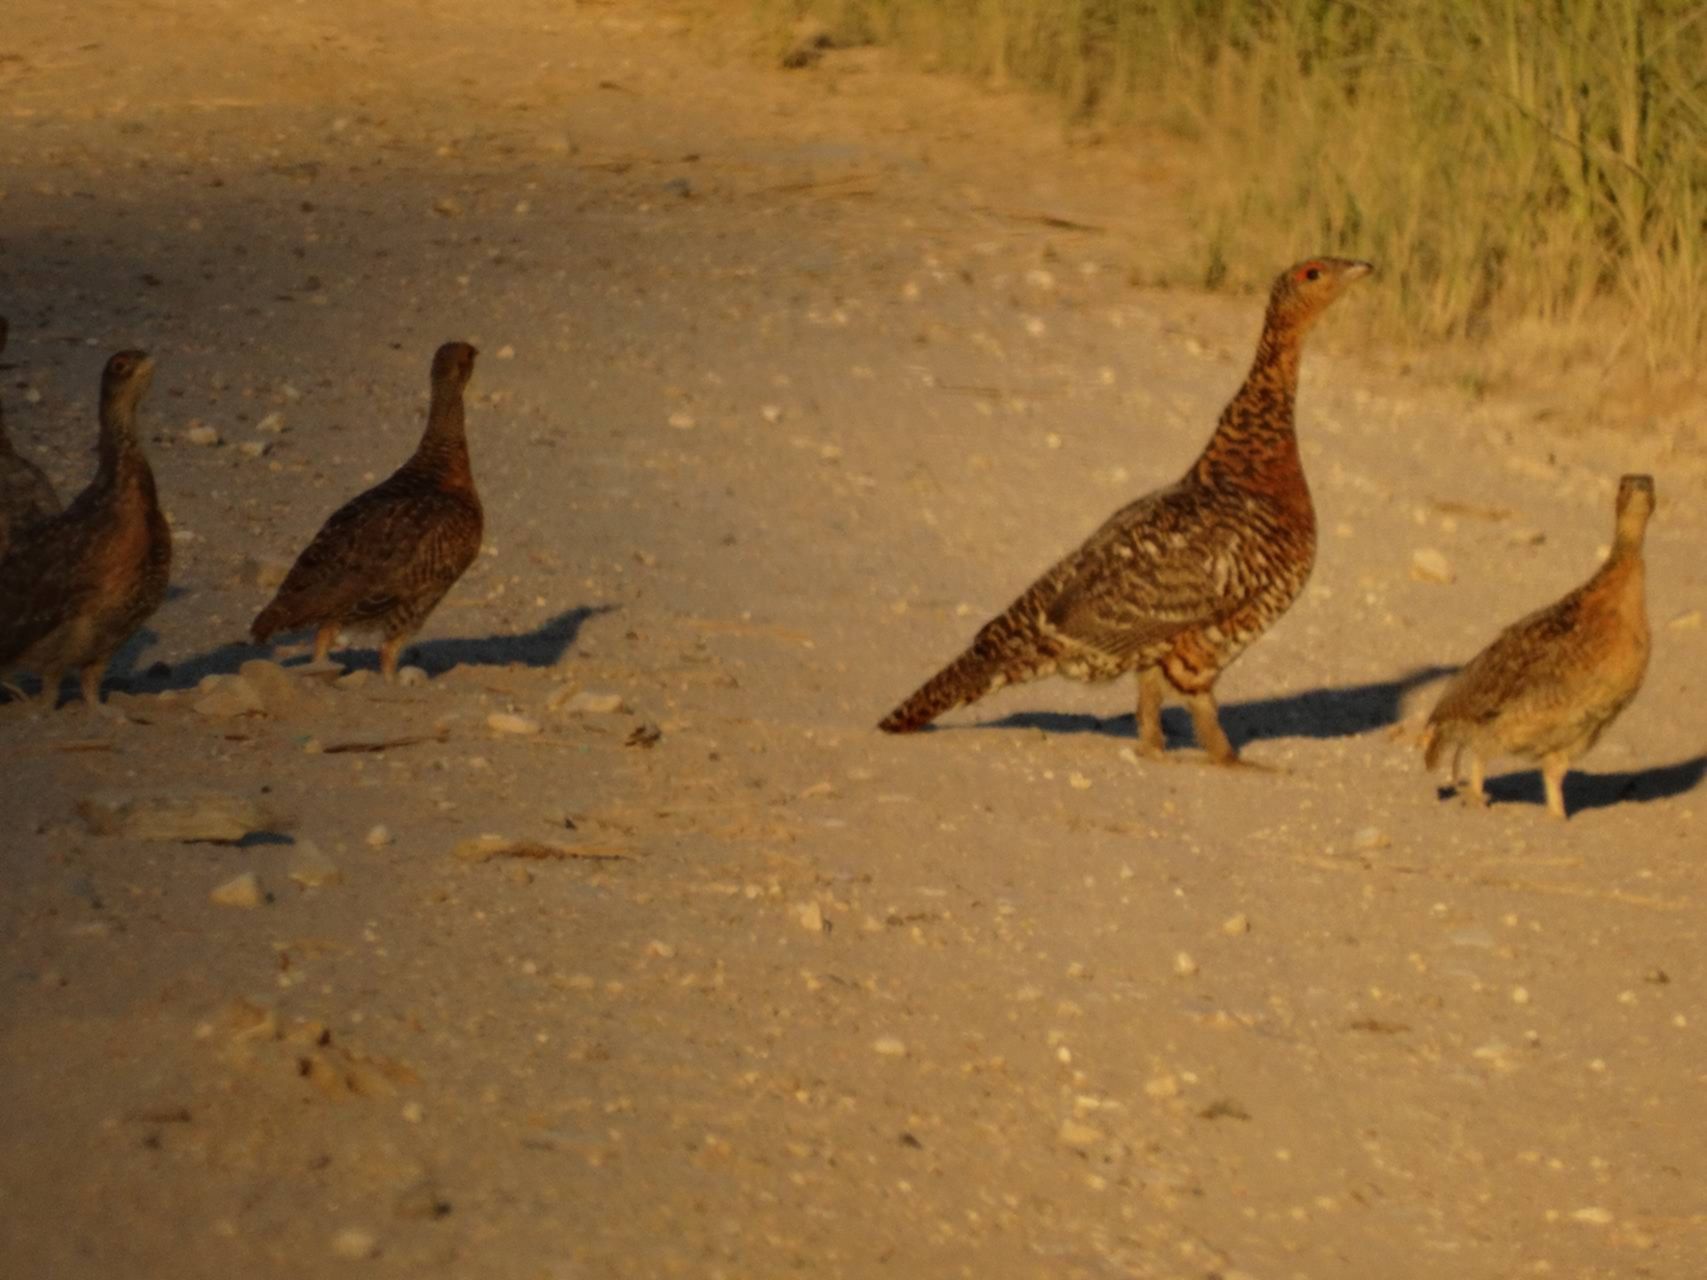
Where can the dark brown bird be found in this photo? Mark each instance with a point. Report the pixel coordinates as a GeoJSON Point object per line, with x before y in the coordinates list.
{"type": "Point", "coordinates": [1178, 583]}
{"type": "Point", "coordinates": [76, 587]}
{"type": "Point", "coordinates": [26, 497]}
{"type": "Point", "coordinates": [387, 556]}
{"type": "Point", "coordinates": [1551, 683]}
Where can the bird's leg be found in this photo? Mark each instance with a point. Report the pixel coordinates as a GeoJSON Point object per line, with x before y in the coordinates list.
{"type": "Point", "coordinates": [323, 641]}
{"type": "Point", "coordinates": [1478, 775]}
{"type": "Point", "coordinates": [1553, 781]}
{"type": "Point", "coordinates": [1150, 741]}
{"type": "Point", "coordinates": [50, 688]}
{"type": "Point", "coordinates": [388, 653]}
{"type": "Point", "coordinates": [1206, 720]}
{"type": "Point", "coordinates": [90, 679]}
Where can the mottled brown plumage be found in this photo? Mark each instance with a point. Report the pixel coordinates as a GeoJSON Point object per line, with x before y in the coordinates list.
{"type": "Point", "coordinates": [74, 588]}
{"type": "Point", "coordinates": [1177, 584]}
{"type": "Point", "coordinates": [1550, 684]}
{"type": "Point", "coordinates": [385, 558]}
{"type": "Point", "coordinates": [26, 497]}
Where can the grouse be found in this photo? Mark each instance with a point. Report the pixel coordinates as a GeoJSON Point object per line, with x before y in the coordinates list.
{"type": "Point", "coordinates": [77, 586]}
{"type": "Point", "coordinates": [1176, 584]}
{"type": "Point", "coordinates": [385, 559]}
{"type": "Point", "coordinates": [26, 497]}
{"type": "Point", "coordinates": [1549, 685]}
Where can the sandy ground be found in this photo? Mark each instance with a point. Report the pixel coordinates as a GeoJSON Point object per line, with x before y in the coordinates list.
{"type": "Point", "coordinates": [788, 380]}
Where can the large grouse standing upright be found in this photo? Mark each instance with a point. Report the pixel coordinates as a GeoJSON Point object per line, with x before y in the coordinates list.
{"type": "Point", "coordinates": [1177, 584]}
{"type": "Point", "coordinates": [385, 559]}
{"type": "Point", "coordinates": [74, 588]}
{"type": "Point", "coordinates": [1550, 683]}
{"type": "Point", "coordinates": [26, 497]}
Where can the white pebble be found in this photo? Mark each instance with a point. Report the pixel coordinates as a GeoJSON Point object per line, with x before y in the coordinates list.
{"type": "Point", "coordinates": [1233, 926]}
{"type": "Point", "coordinates": [890, 1046]}
{"type": "Point", "coordinates": [1429, 565]}
{"type": "Point", "coordinates": [509, 722]}
{"type": "Point", "coordinates": [379, 835]}
{"type": "Point", "coordinates": [1184, 965]}
{"type": "Point", "coordinates": [241, 891]}
{"type": "Point", "coordinates": [202, 434]}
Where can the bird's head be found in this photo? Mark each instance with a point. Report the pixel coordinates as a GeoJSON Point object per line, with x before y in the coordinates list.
{"type": "Point", "coordinates": [1303, 291]}
{"type": "Point", "coordinates": [1636, 502]}
{"type": "Point", "coordinates": [454, 363]}
{"type": "Point", "coordinates": [126, 377]}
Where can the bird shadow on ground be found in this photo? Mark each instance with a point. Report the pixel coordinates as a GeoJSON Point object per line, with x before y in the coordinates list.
{"type": "Point", "coordinates": [544, 646]}
{"type": "Point", "coordinates": [1602, 790]}
{"type": "Point", "coordinates": [1315, 713]}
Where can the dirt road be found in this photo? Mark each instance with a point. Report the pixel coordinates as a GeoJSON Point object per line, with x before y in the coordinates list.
{"type": "Point", "coordinates": [787, 381]}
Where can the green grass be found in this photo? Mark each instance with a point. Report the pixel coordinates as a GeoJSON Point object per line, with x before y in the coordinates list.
{"type": "Point", "coordinates": [1534, 170]}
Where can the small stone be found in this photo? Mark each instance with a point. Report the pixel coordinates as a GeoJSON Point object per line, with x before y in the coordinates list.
{"type": "Point", "coordinates": [202, 434]}
{"type": "Point", "coordinates": [682, 420]}
{"type": "Point", "coordinates": [506, 352]}
{"type": "Point", "coordinates": [585, 702]}
{"type": "Point", "coordinates": [1520, 995]}
{"type": "Point", "coordinates": [890, 1046]}
{"type": "Point", "coordinates": [183, 816]}
{"type": "Point", "coordinates": [1184, 965]}
{"type": "Point", "coordinates": [378, 836]}
{"type": "Point", "coordinates": [662, 950]}
{"type": "Point", "coordinates": [353, 679]}
{"type": "Point", "coordinates": [1690, 621]}
{"type": "Point", "coordinates": [230, 696]}
{"type": "Point", "coordinates": [771, 413]}
{"type": "Point", "coordinates": [1077, 1134]}
{"type": "Point", "coordinates": [1429, 565]}
{"type": "Point", "coordinates": [311, 868]}
{"type": "Point", "coordinates": [273, 423]}
{"type": "Point", "coordinates": [411, 676]}
{"type": "Point", "coordinates": [1078, 782]}
{"type": "Point", "coordinates": [254, 448]}
{"type": "Point", "coordinates": [1368, 839]}
{"type": "Point", "coordinates": [277, 689]}
{"type": "Point", "coordinates": [1234, 926]}
{"type": "Point", "coordinates": [1593, 1214]}
{"type": "Point", "coordinates": [355, 1243]}
{"type": "Point", "coordinates": [241, 891]}
{"type": "Point", "coordinates": [1163, 1086]}
{"type": "Point", "coordinates": [510, 722]}
{"type": "Point", "coordinates": [811, 917]}
{"type": "Point", "coordinates": [262, 573]}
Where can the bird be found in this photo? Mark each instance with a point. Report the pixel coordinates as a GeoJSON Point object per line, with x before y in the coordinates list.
{"type": "Point", "coordinates": [1176, 584]}
{"type": "Point", "coordinates": [1550, 684]}
{"type": "Point", "coordinates": [75, 587]}
{"type": "Point", "coordinates": [384, 560]}
{"type": "Point", "coordinates": [26, 497]}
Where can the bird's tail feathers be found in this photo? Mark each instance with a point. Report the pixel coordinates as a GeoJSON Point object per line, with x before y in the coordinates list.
{"type": "Point", "coordinates": [966, 679]}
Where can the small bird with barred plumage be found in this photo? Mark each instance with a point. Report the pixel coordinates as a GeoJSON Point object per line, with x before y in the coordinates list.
{"type": "Point", "coordinates": [1551, 683]}
{"type": "Point", "coordinates": [75, 587]}
{"type": "Point", "coordinates": [1177, 584]}
{"type": "Point", "coordinates": [384, 560]}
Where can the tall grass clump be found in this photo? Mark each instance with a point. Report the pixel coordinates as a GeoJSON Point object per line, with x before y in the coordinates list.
{"type": "Point", "coordinates": [1527, 166]}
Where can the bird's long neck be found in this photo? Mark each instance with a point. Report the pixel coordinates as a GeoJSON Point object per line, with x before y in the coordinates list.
{"type": "Point", "coordinates": [120, 453]}
{"type": "Point", "coordinates": [1625, 566]}
{"type": "Point", "coordinates": [1254, 436]}
{"type": "Point", "coordinates": [444, 445]}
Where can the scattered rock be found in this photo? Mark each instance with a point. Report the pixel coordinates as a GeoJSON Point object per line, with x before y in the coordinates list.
{"type": "Point", "coordinates": [355, 1242]}
{"type": "Point", "coordinates": [379, 836]}
{"type": "Point", "coordinates": [262, 572]}
{"type": "Point", "coordinates": [890, 1046]}
{"type": "Point", "coordinates": [1234, 926]}
{"type": "Point", "coordinates": [682, 420]}
{"type": "Point", "coordinates": [1690, 621]}
{"type": "Point", "coordinates": [510, 722]}
{"type": "Point", "coordinates": [276, 688]}
{"type": "Point", "coordinates": [1184, 965]}
{"type": "Point", "coordinates": [184, 815]}
{"type": "Point", "coordinates": [353, 679]}
{"type": "Point", "coordinates": [241, 891]}
{"type": "Point", "coordinates": [410, 677]}
{"type": "Point", "coordinates": [1369, 839]}
{"type": "Point", "coordinates": [227, 697]}
{"type": "Point", "coordinates": [585, 702]}
{"type": "Point", "coordinates": [1429, 565]}
{"type": "Point", "coordinates": [811, 917]}
{"type": "Point", "coordinates": [202, 434]}
{"type": "Point", "coordinates": [273, 422]}
{"type": "Point", "coordinates": [1077, 1134]}
{"type": "Point", "coordinates": [311, 868]}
